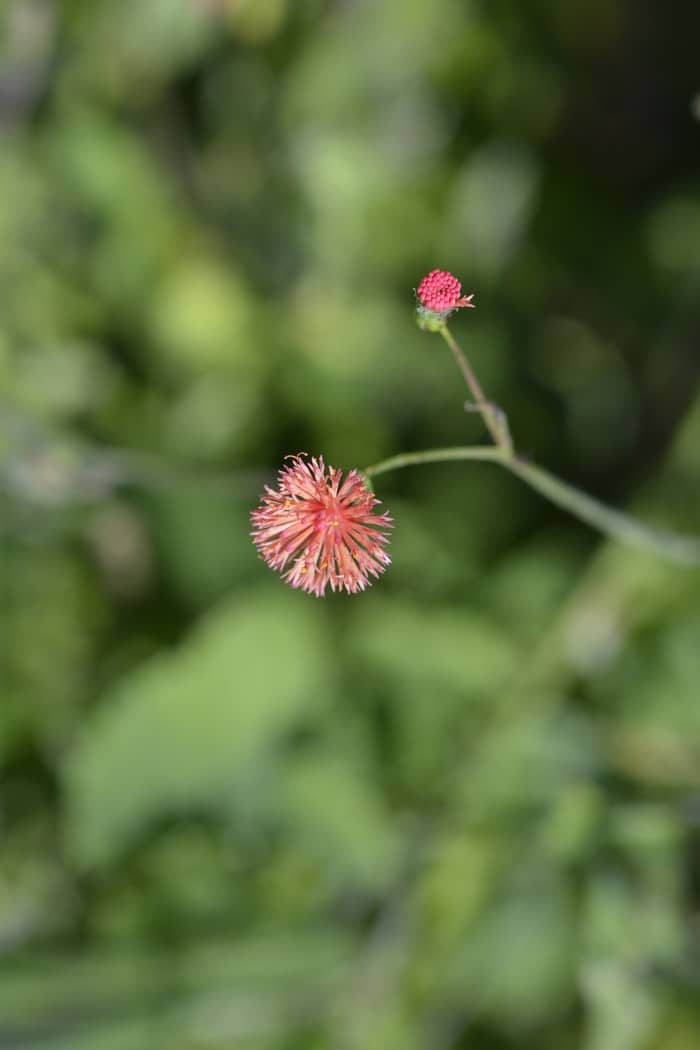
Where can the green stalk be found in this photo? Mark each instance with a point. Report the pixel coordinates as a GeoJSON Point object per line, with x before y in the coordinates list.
{"type": "Point", "coordinates": [433, 455]}
{"type": "Point", "coordinates": [497, 426]}
{"type": "Point", "coordinates": [684, 550]}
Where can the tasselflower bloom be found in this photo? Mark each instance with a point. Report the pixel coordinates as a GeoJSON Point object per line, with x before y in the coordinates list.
{"type": "Point", "coordinates": [438, 294]}
{"type": "Point", "coordinates": [319, 530]}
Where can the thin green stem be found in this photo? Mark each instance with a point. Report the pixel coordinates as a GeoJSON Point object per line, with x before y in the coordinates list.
{"type": "Point", "coordinates": [498, 431]}
{"type": "Point", "coordinates": [434, 455]}
{"type": "Point", "coordinates": [684, 550]}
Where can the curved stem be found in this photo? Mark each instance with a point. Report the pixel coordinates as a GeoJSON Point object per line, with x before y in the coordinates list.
{"type": "Point", "coordinates": [434, 455]}
{"type": "Point", "coordinates": [499, 433]}
{"type": "Point", "coordinates": [684, 550]}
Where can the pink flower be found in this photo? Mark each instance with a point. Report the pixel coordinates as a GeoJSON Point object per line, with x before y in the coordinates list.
{"type": "Point", "coordinates": [317, 529]}
{"type": "Point", "coordinates": [440, 292]}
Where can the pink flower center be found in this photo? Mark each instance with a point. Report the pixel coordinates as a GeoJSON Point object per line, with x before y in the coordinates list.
{"type": "Point", "coordinates": [439, 291]}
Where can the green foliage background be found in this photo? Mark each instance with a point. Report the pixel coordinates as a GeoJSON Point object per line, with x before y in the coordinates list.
{"type": "Point", "coordinates": [461, 809]}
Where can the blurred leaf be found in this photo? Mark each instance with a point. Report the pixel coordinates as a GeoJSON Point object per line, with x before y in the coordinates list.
{"type": "Point", "coordinates": [176, 735]}
{"type": "Point", "coordinates": [209, 993]}
{"type": "Point", "coordinates": [337, 813]}
{"type": "Point", "coordinates": [518, 964]}
{"type": "Point", "coordinates": [451, 648]}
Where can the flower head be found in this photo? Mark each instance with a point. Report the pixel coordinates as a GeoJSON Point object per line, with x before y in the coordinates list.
{"type": "Point", "coordinates": [438, 294]}
{"type": "Point", "coordinates": [317, 529]}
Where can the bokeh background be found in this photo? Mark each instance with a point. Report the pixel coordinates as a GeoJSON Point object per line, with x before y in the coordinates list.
{"type": "Point", "coordinates": [461, 809]}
